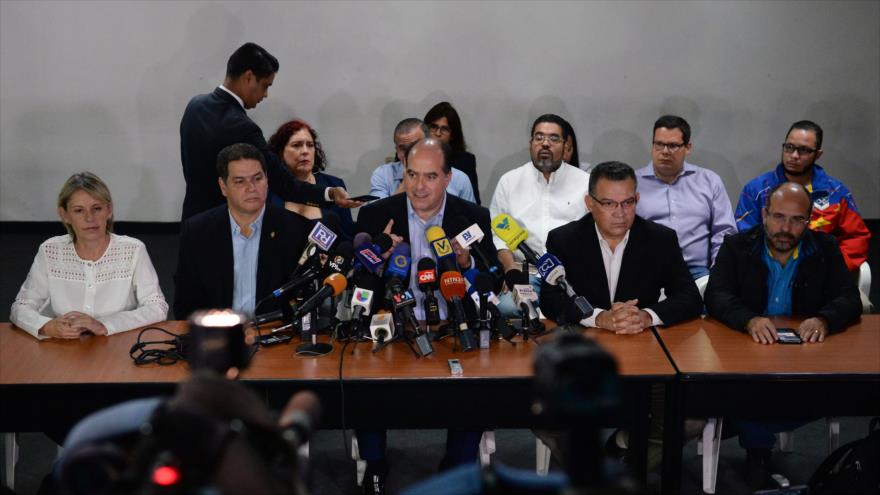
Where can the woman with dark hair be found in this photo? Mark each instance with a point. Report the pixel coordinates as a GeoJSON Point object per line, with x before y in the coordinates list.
{"type": "Point", "coordinates": [297, 144]}
{"type": "Point", "coordinates": [570, 153]}
{"type": "Point", "coordinates": [445, 125]}
{"type": "Point", "coordinates": [89, 280]}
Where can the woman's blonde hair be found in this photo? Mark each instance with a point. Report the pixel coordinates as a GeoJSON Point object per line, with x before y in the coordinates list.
{"type": "Point", "coordinates": [90, 183]}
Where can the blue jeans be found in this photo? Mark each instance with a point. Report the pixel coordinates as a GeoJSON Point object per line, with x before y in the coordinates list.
{"type": "Point", "coordinates": [462, 446]}
{"type": "Point", "coordinates": [698, 271]}
{"type": "Point", "coordinates": [759, 434]}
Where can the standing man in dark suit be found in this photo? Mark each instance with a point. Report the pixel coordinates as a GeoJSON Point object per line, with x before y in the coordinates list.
{"type": "Point", "coordinates": [406, 217]}
{"type": "Point", "coordinates": [233, 255]}
{"type": "Point", "coordinates": [215, 120]}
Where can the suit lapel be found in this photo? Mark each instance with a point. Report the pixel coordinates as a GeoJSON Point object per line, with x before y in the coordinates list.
{"type": "Point", "coordinates": [594, 259]}
{"type": "Point", "coordinates": [223, 251]}
{"type": "Point", "coordinates": [268, 246]}
{"type": "Point", "coordinates": [630, 267]}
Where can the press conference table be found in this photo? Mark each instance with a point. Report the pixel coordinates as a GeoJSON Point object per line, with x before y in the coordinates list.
{"type": "Point", "coordinates": [710, 370]}
{"type": "Point", "coordinates": [725, 373]}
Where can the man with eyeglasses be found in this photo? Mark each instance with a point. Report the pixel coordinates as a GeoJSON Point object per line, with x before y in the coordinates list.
{"type": "Point", "coordinates": [834, 209]}
{"type": "Point", "coordinates": [387, 180]}
{"type": "Point", "coordinates": [619, 261]}
{"type": "Point", "coordinates": [540, 195]}
{"type": "Point", "coordinates": [780, 267]}
{"type": "Point", "coordinates": [690, 200]}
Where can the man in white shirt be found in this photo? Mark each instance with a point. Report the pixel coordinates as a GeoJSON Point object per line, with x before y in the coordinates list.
{"type": "Point", "coordinates": [540, 195]}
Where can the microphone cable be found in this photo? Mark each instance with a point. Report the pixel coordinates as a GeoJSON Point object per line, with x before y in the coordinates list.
{"type": "Point", "coordinates": [163, 352]}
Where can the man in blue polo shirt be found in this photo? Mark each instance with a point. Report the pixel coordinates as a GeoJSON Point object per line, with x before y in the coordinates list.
{"type": "Point", "coordinates": [780, 267]}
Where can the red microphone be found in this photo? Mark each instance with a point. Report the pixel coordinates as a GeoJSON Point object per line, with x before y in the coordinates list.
{"type": "Point", "coordinates": [453, 288]}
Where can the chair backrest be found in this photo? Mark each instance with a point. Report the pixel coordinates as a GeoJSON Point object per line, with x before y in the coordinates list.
{"type": "Point", "coordinates": [864, 282]}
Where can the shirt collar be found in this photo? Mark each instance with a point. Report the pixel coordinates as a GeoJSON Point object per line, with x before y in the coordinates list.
{"type": "Point", "coordinates": [603, 241]}
{"type": "Point", "coordinates": [255, 225]}
{"type": "Point", "coordinates": [648, 172]}
{"type": "Point", "coordinates": [554, 176]}
{"type": "Point", "coordinates": [239, 100]}
{"type": "Point", "coordinates": [397, 171]}
{"type": "Point", "coordinates": [794, 255]}
{"type": "Point", "coordinates": [437, 216]}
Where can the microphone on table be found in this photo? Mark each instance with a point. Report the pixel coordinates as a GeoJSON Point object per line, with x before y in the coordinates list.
{"type": "Point", "coordinates": [487, 302]}
{"type": "Point", "coordinates": [442, 249]}
{"type": "Point", "coordinates": [333, 285]}
{"type": "Point", "coordinates": [553, 272]}
{"type": "Point", "coordinates": [381, 329]}
{"type": "Point", "coordinates": [453, 289]}
{"type": "Point", "coordinates": [506, 228]}
{"type": "Point", "coordinates": [470, 237]}
{"type": "Point", "coordinates": [427, 281]}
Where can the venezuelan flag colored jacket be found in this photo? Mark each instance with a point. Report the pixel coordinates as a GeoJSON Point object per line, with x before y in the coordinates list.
{"type": "Point", "coordinates": [834, 211]}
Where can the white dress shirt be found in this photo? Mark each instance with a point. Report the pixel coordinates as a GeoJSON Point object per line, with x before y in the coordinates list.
{"type": "Point", "coordinates": [539, 205]}
{"type": "Point", "coordinates": [613, 260]}
{"type": "Point", "coordinates": [120, 289]}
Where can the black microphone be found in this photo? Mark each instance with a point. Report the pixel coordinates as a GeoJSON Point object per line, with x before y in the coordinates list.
{"type": "Point", "coordinates": [334, 284]}
{"type": "Point", "coordinates": [427, 281]}
{"type": "Point", "coordinates": [470, 235]}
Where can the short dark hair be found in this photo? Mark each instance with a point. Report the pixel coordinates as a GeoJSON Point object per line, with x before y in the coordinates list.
{"type": "Point", "coordinates": [575, 156]}
{"type": "Point", "coordinates": [553, 119]}
{"type": "Point", "coordinates": [279, 140]}
{"type": "Point", "coordinates": [445, 109]}
{"type": "Point", "coordinates": [251, 57]}
{"type": "Point", "coordinates": [614, 171]}
{"type": "Point", "coordinates": [237, 151]}
{"type": "Point", "coordinates": [799, 187]}
{"type": "Point", "coordinates": [808, 125]}
{"type": "Point", "coordinates": [444, 148]}
{"type": "Point", "coordinates": [674, 122]}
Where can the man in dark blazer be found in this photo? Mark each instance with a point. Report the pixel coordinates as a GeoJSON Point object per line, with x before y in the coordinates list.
{"type": "Point", "coordinates": [641, 257]}
{"type": "Point", "coordinates": [233, 255]}
{"type": "Point", "coordinates": [215, 120]}
{"type": "Point", "coordinates": [406, 217]}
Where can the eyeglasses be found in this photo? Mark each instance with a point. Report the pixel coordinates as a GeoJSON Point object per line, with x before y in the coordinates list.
{"type": "Point", "coordinates": [672, 147]}
{"type": "Point", "coordinates": [609, 205]}
{"type": "Point", "coordinates": [539, 137]}
{"type": "Point", "coordinates": [439, 129]}
{"type": "Point", "coordinates": [802, 150]}
{"type": "Point", "coordinates": [780, 219]}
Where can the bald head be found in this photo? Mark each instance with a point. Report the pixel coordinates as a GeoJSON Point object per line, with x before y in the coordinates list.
{"type": "Point", "coordinates": [431, 147]}
{"type": "Point", "coordinates": [790, 195]}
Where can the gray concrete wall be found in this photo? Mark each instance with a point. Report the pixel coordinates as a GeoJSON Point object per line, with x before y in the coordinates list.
{"type": "Point", "coordinates": [101, 85]}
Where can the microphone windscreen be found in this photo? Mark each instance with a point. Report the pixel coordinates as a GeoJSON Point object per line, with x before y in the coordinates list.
{"type": "Point", "coordinates": [483, 282]}
{"type": "Point", "coordinates": [337, 281]}
{"type": "Point", "coordinates": [339, 260]}
{"type": "Point", "coordinates": [384, 242]}
{"type": "Point", "coordinates": [452, 285]}
{"type": "Point", "coordinates": [506, 228]}
{"type": "Point", "coordinates": [515, 277]}
{"type": "Point", "coordinates": [361, 238]}
{"type": "Point", "coordinates": [434, 233]}
{"type": "Point", "coordinates": [399, 262]}
{"type": "Point", "coordinates": [427, 263]}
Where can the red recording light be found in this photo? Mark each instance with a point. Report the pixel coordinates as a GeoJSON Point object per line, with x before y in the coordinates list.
{"type": "Point", "coordinates": [166, 476]}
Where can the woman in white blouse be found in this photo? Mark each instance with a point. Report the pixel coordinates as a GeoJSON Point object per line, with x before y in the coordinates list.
{"type": "Point", "coordinates": [89, 280]}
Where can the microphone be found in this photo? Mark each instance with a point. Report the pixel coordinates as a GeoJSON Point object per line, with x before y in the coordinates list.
{"type": "Point", "coordinates": [321, 237]}
{"type": "Point", "coordinates": [553, 272]}
{"type": "Point", "coordinates": [506, 228]}
{"type": "Point", "coordinates": [442, 248]}
{"type": "Point", "coordinates": [524, 297]}
{"type": "Point", "coordinates": [486, 301]}
{"type": "Point", "coordinates": [300, 418]}
{"type": "Point", "coordinates": [398, 263]}
{"type": "Point", "coordinates": [381, 329]}
{"type": "Point", "coordinates": [339, 261]}
{"type": "Point", "coordinates": [271, 316]}
{"type": "Point", "coordinates": [470, 237]}
{"type": "Point", "coordinates": [453, 289]}
{"type": "Point", "coordinates": [427, 281]}
{"type": "Point", "coordinates": [369, 253]}
{"type": "Point", "coordinates": [298, 282]}
{"type": "Point", "coordinates": [334, 284]}
{"type": "Point", "coordinates": [361, 302]}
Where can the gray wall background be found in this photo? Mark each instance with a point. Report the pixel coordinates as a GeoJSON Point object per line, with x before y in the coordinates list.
{"type": "Point", "coordinates": [101, 85]}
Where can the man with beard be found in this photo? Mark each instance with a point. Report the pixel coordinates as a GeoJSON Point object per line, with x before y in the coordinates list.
{"type": "Point", "coordinates": [780, 267]}
{"type": "Point", "coordinates": [540, 195]}
{"type": "Point", "coordinates": [834, 209]}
